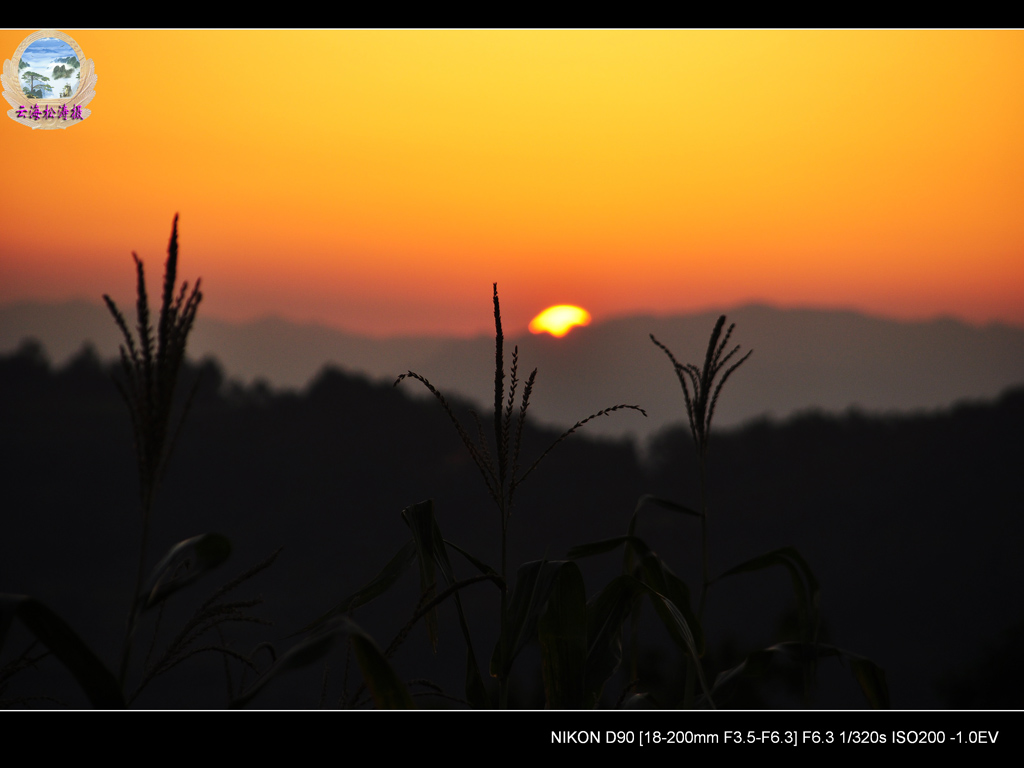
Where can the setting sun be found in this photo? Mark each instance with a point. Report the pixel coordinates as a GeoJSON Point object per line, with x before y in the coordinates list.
{"type": "Point", "coordinates": [559, 320]}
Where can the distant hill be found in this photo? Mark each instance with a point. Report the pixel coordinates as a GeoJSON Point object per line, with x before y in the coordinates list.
{"type": "Point", "coordinates": [803, 359]}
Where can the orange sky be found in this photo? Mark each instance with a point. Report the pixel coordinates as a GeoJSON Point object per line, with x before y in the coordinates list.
{"type": "Point", "coordinates": [380, 181]}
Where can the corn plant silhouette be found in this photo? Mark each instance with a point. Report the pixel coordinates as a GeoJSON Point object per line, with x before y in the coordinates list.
{"type": "Point", "coordinates": [700, 408]}
{"type": "Point", "coordinates": [151, 364]}
{"type": "Point", "coordinates": [500, 471]}
{"type": "Point", "coordinates": [500, 475]}
{"type": "Point", "coordinates": [644, 570]}
{"type": "Point", "coordinates": [548, 602]}
{"type": "Point", "coordinates": [151, 367]}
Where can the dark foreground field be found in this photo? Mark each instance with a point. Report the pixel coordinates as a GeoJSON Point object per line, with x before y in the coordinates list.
{"type": "Point", "coordinates": [911, 524]}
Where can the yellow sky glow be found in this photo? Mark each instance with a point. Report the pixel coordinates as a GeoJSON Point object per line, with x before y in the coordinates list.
{"type": "Point", "coordinates": [381, 181]}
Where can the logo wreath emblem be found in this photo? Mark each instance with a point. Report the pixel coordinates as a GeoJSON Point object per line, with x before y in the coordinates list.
{"type": "Point", "coordinates": [49, 81]}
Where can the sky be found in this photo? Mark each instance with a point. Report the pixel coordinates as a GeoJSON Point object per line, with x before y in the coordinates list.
{"type": "Point", "coordinates": [381, 181]}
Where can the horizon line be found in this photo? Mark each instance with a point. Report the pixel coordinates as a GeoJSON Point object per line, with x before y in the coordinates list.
{"type": "Point", "coordinates": [753, 303]}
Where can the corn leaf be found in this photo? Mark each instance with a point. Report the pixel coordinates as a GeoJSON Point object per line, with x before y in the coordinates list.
{"type": "Point", "coordinates": [378, 586]}
{"type": "Point", "coordinates": [805, 585]}
{"type": "Point", "coordinates": [869, 676]}
{"type": "Point", "coordinates": [98, 683]}
{"type": "Point", "coordinates": [533, 585]}
{"type": "Point", "coordinates": [606, 613]}
{"type": "Point", "coordinates": [183, 564]}
{"type": "Point", "coordinates": [562, 632]}
{"type": "Point", "coordinates": [658, 501]}
{"type": "Point", "coordinates": [679, 629]}
{"type": "Point", "coordinates": [480, 565]}
{"type": "Point", "coordinates": [429, 548]}
{"type": "Point", "coordinates": [432, 556]}
{"type": "Point", "coordinates": [388, 691]}
{"type": "Point", "coordinates": [653, 572]}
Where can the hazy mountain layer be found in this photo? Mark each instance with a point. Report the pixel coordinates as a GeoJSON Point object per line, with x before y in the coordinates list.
{"type": "Point", "coordinates": [803, 359]}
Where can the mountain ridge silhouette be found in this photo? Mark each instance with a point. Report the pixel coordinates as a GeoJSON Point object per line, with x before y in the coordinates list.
{"type": "Point", "coordinates": [804, 359]}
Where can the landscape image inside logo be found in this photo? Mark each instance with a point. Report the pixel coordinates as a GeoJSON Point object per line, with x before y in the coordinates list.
{"type": "Point", "coordinates": [59, 70]}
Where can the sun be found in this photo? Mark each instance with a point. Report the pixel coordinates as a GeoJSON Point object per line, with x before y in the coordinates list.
{"type": "Point", "coordinates": [559, 320]}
